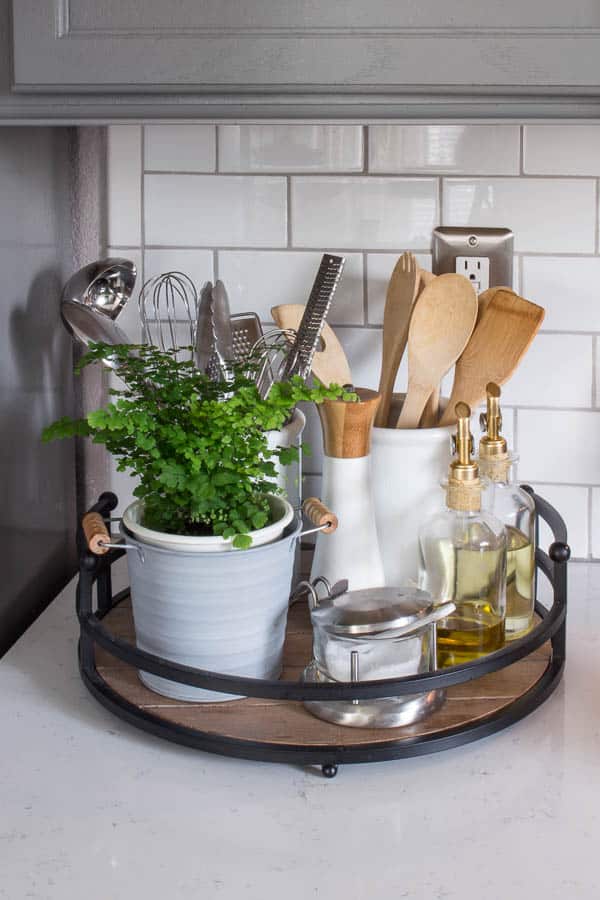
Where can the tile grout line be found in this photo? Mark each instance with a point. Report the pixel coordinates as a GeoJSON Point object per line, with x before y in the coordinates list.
{"type": "Point", "coordinates": [597, 222]}
{"type": "Point", "coordinates": [361, 173]}
{"type": "Point", "coordinates": [217, 155]}
{"type": "Point", "coordinates": [594, 371]}
{"type": "Point", "coordinates": [144, 336]}
{"type": "Point", "coordinates": [521, 150]}
{"type": "Point", "coordinates": [590, 518]}
{"type": "Point", "coordinates": [365, 146]}
{"type": "Point", "coordinates": [373, 251]}
{"type": "Point", "coordinates": [365, 288]}
{"type": "Point", "coordinates": [440, 195]}
{"type": "Point", "coordinates": [288, 210]}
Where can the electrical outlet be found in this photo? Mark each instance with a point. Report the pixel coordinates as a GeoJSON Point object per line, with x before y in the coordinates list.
{"type": "Point", "coordinates": [483, 255]}
{"type": "Point", "coordinates": [476, 269]}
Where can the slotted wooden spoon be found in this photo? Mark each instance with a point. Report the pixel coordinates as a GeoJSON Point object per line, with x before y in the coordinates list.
{"type": "Point", "coordinates": [503, 334]}
{"type": "Point", "coordinates": [400, 297]}
{"type": "Point", "coordinates": [441, 325]}
{"type": "Point", "coordinates": [330, 364]}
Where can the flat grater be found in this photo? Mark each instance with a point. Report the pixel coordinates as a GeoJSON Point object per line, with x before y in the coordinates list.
{"type": "Point", "coordinates": [246, 330]}
{"type": "Point", "coordinates": [308, 336]}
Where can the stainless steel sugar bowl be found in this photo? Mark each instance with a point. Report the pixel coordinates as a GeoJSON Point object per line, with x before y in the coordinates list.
{"type": "Point", "coordinates": [371, 635]}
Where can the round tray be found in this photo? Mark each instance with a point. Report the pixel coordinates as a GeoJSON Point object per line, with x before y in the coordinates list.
{"type": "Point", "coordinates": [271, 722]}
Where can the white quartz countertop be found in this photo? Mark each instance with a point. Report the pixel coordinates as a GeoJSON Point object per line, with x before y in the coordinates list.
{"type": "Point", "coordinates": [93, 809]}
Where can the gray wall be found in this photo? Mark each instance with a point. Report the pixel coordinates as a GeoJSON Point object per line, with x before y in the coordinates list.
{"type": "Point", "coordinates": [37, 483]}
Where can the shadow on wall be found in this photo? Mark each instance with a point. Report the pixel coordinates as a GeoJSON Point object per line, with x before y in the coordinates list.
{"type": "Point", "coordinates": [36, 380]}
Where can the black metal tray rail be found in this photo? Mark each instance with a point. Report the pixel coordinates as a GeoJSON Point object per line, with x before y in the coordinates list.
{"type": "Point", "coordinates": [97, 570]}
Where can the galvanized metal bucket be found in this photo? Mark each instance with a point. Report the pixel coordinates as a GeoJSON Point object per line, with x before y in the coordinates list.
{"type": "Point", "coordinates": [224, 612]}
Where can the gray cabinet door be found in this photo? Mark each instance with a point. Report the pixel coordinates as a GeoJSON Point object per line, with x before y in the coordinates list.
{"type": "Point", "coordinates": [306, 47]}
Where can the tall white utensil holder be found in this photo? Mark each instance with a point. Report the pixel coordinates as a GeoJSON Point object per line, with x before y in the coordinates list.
{"type": "Point", "coordinates": [408, 465]}
{"type": "Point", "coordinates": [353, 551]}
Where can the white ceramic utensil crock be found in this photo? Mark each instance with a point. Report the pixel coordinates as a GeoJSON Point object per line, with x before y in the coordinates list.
{"type": "Point", "coordinates": [407, 466]}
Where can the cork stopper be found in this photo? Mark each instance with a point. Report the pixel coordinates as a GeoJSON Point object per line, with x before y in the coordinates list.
{"type": "Point", "coordinates": [494, 458]}
{"type": "Point", "coordinates": [463, 491]}
{"type": "Point", "coordinates": [347, 425]}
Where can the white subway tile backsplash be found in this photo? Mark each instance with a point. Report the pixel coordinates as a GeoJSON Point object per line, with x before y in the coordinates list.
{"type": "Point", "coordinates": [445, 149]}
{"type": "Point", "coordinates": [180, 148]}
{"type": "Point", "coordinates": [363, 213]}
{"type": "Point", "coordinates": [196, 264]}
{"type": "Point", "coordinates": [124, 198]}
{"type": "Point", "coordinates": [379, 269]}
{"type": "Point", "coordinates": [215, 210]}
{"type": "Point", "coordinates": [568, 287]}
{"type": "Point", "coordinates": [259, 279]}
{"type": "Point", "coordinates": [363, 349]}
{"type": "Point", "coordinates": [267, 253]}
{"type": "Point", "coordinates": [556, 371]}
{"type": "Point", "coordinates": [556, 150]}
{"type": "Point", "coordinates": [572, 503]}
{"type": "Point", "coordinates": [595, 526]}
{"type": "Point", "coordinates": [546, 215]}
{"type": "Point", "coordinates": [290, 148]}
{"type": "Point", "coordinates": [559, 446]}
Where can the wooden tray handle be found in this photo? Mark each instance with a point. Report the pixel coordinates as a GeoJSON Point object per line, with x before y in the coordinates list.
{"type": "Point", "coordinates": [319, 515]}
{"type": "Point", "coordinates": [96, 533]}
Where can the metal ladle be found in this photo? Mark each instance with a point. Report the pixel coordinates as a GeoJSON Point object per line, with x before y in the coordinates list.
{"type": "Point", "coordinates": [104, 285]}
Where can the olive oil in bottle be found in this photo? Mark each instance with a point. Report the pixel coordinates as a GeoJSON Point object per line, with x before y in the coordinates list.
{"type": "Point", "coordinates": [516, 510]}
{"type": "Point", "coordinates": [463, 561]}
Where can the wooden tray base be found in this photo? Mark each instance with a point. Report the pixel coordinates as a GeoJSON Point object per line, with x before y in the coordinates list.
{"type": "Point", "coordinates": [288, 723]}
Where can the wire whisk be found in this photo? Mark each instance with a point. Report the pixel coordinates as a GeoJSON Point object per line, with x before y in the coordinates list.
{"type": "Point", "coordinates": [269, 356]}
{"type": "Point", "coordinates": [168, 306]}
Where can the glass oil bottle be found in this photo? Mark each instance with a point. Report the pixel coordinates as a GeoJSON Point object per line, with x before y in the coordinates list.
{"type": "Point", "coordinates": [463, 561]}
{"type": "Point", "coordinates": [516, 510]}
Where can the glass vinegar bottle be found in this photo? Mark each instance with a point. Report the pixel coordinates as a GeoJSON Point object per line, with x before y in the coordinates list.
{"type": "Point", "coordinates": [516, 510]}
{"type": "Point", "coordinates": [463, 561]}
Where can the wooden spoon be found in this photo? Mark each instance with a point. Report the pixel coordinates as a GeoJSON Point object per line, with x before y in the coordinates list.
{"type": "Point", "coordinates": [329, 364]}
{"type": "Point", "coordinates": [431, 413]}
{"type": "Point", "coordinates": [502, 336]}
{"type": "Point", "coordinates": [401, 293]}
{"type": "Point", "coordinates": [425, 278]}
{"type": "Point", "coordinates": [441, 325]}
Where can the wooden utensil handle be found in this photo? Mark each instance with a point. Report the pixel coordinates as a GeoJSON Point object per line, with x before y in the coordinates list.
{"type": "Point", "coordinates": [319, 515]}
{"type": "Point", "coordinates": [389, 370]}
{"type": "Point", "coordinates": [414, 404]}
{"type": "Point", "coordinates": [431, 413]}
{"type": "Point", "coordinates": [96, 533]}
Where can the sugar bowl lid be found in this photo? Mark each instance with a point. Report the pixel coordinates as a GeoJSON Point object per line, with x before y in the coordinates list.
{"type": "Point", "coordinates": [372, 610]}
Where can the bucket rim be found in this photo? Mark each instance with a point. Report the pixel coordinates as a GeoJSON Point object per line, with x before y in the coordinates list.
{"type": "Point", "coordinates": [290, 534]}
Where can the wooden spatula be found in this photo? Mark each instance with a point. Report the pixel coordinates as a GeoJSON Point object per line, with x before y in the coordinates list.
{"type": "Point", "coordinates": [431, 413]}
{"type": "Point", "coordinates": [502, 336]}
{"type": "Point", "coordinates": [329, 364]}
{"type": "Point", "coordinates": [400, 296]}
{"type": "Point", "coordinates": [486, 296]}
{"type": "Point", "coordinates": [441, 325]}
